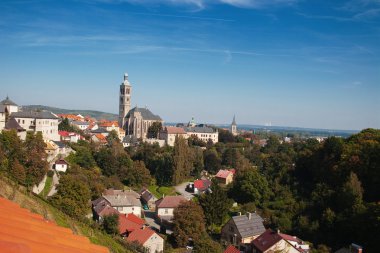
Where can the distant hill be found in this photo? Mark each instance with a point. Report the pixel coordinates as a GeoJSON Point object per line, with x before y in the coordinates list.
{"type": "Point", "coordinates": [95, 114]}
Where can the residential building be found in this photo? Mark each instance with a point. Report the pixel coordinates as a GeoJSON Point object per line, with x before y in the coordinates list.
{"type": "Point", "coordinates": [129, 223]}
{"type": "Point", "coordinates": [271, 241]}
{"type": "Point", "coordinates": [129, 141]}
{"type": "Point", "coordinates": [203, 133]}
{"type": "Point", "coordinates": [200, 186]}
{"type": "Point", "coordinates": [69, 136]}
{"type": "Point", "coordinates": [225, 177]}
{"type": "Point", "coordinates": [148, 198]}
{"type": "Point", "coordinates": [12, 124]}
{"type": "Point", "coordinates": [124, 101]}
{"type": "Point", "coordinates": [61, 165]}
{"type": "Point", "coordinates": [38, 121]}
{"type": "Point", "coordinates": [166, 205]}
{"type": "Point", "coordinates": [99, 138]}
{"type": "Point", "coordinates": [81, 125]}
{"type": "Point", "coordinates": [170, 133]}
{"type": "Point", "coordinates": [123, 201]}
{"type": "Point", "coordinates": [241, 230]}
{"type": "Point", "coordinates": [100, 208]}
{"type": "Point", "coordinates": [51, 149]}
{"type": "Point", "coordinates": [138, 120]}
{"type": "Point", "coordinates": [233, 128]}
{"type": "Point", "coordinates": [151, 241]}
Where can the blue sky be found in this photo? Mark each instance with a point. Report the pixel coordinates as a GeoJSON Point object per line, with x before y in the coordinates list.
{"type": "Point", "coordinates": [285, 62]}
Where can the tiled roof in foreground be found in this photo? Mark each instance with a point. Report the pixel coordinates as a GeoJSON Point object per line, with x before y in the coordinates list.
{"type": "Point", "coordinates": [22, 231]}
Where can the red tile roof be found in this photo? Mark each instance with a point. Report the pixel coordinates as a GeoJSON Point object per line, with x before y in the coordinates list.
{"type": "Point", "coordinates": [231, 249]}
{"type": "Point", "coordinates": [23, 231]}
{"type": "Point", "coordinates": [140, 235]}
{"type": "Point", "coordinates": [129, 223]}
{"type": "Point", "coordinates": [175, 130]}
{"type": "Point", "coordinates": [223, 173]}
{"type": "Point", "coordinates": [266, 240]}
{"type": "Point", "coordinates": [101, 137]}
{"type": "Point", "coordinates": [170, 201]}
{"type": "Point", "coordinates": [109, 124]}
{"type": "Point", "coordinates": [202, 184]}
{"type": "Point", "coordinates": [61, 161]}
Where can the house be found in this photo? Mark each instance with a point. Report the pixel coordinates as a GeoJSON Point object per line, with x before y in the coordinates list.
{"type": "Point", "coordinates": [148, 198]}
{"type": "Point", "coordinates": [61, 165]}
{"type": "Point", "coordinates": [69, 136]}
{"type": "Point", "coordinates": [82, 125]}
{"type": "Point", "coordinates": [110, 126]}
{"type": "Point", "coordinates": [129, 223]}
{"type": "Point", "coordinates": [2, 117]}
{"type": "Point", "coordinates": [231, 249]}
{"type": "Point", "coordinates": [62, 147]}
{"type": "Point", "coordinates": [100, 208]}
{"type": "Point", "coordinates": [123, 201]}
{"type": "Point", "coordinates": [166, 205]}
{"type": "Point", "coordinates": [12, 124]}
{"type": "Point", "coordinates": [170, 133]}
{"type": "Point", "coordinates": [130, 140]}
{"type": "Point", "coordinates": [241, 230]}
{"type": "Point", "coordinates": [38, 121]}
{"type": "Point", "coordinates": [203, 133]}
{"type": "Point", "coordinates": [99, 138]}
{"type": "Point", "coordinates": [8, 107]}
{"type": "Point", "coordinates": [225, 176]}
{"type": "Point", "coordinates": [273, 241]}
{"type": "Point", "coordinates": [200, 186]}
{"type": "Point", "coordinates": [152, 242]}
{"type": "Point", "coordinates": [51, 148]}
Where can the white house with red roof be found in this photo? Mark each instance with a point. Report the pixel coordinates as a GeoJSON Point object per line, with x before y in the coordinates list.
{"type": "Point", "coordinates": [274, 241]}
{"type": "Point", "coordinates": [70, 136]}
{"type": "Point", "coordinates": [151, 241]}
{"type": "Point", "coordinates": [61, 165]}
{"type": "Point", "coordinates": [201, 185]}
{"type": "Point", "coordinates": [129, 223]}
{"type": "Point", "coordinates": [225, 176]}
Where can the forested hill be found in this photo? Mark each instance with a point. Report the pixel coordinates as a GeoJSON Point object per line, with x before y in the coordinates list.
{"type": "Point", "coordinates": [95, 114]}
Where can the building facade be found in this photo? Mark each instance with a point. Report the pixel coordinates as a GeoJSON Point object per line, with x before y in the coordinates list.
{"type": "Point", "coordinates": [170, 133]}
{"type": "Point", "coordinates": [38, 121]}
{"type": "Point", "coordinates": [124, 100]}
{"type": "Point", "coordinates": [138, 120]}
{"type": "Point", "coordinates": [203, 133]}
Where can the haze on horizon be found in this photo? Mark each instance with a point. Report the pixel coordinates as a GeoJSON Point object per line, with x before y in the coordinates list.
{"type": "Point", "coordinates": [286, 62]}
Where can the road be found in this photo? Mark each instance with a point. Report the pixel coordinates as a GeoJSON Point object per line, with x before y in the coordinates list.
{"type": "Point", "coordinates": [181, 188]}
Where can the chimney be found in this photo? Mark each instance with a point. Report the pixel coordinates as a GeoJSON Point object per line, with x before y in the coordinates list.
{"type": "Point", "coordinates": [278, 231]}
{"type": "Point", "coordinates": [354, 248]}
{"type": "Point", "coordinates": [249, 215]}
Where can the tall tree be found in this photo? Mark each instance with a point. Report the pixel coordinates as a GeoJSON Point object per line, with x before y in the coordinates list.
{"type": "Point", "coordinates": [182, 164]}
{"type": "Point", "coordinates": [215, 204]}
{"type": "Point", "coordinates": [154, 130]}
{"type": "Point", "coordinates": [189, 222]}
{"type": "Point", "coordinates": [35, 158]}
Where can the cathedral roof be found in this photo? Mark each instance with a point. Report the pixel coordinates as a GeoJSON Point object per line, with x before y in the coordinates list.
{"type": "Point", "coordinates": [146, 114]}
{"type": "Point", "coordinates": [7, 101]}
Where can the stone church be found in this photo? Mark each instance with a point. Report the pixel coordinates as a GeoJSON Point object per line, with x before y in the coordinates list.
{"type": "Point", "coordinates": [134, 121]}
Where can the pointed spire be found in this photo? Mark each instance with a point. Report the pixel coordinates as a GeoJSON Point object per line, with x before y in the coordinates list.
{"type": "Point", "coordinates": [233, 121]}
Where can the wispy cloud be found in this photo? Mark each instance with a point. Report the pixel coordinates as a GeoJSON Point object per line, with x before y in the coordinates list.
{"type": "Point", "coordinates": [202, 4]}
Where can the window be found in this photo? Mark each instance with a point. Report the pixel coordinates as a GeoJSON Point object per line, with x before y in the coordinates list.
{"type": "Point", "coordinates": [23, 121]}
{"type": "Point", "coordinates": [166, 211]}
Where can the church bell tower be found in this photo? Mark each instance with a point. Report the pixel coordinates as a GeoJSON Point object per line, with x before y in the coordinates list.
{"type": "Point", "coordinates": [124, 100]}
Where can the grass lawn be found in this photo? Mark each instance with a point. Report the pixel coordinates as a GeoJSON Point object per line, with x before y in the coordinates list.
{"type": "Point", "coordinates": [47, 188]}
{"type": "Point", "coordinates": [162, 190]}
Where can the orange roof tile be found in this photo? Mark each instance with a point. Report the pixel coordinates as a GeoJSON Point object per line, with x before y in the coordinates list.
{"type": "Point", "coordinates": [23, 231]}
{"type": "Point", "coordinates": [140, 235]}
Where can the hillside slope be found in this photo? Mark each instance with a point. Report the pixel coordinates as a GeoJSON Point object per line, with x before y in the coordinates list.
{"type": "Point", "coordinates": [95, 114]}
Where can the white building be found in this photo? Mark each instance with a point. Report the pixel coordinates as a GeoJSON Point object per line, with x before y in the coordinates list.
{"type": "Point", "coordinates": [82, 125]}
{"type": "Point", "coordinates": [38, 121]}
{"type": "Point", "coordinates": [165, 206]}
{"type": "Point", "coordinates": [7, 107]}
{"type": "Point", "coordinates": [203, 133]}
{"type": "Point", "coordinates": [60, 165]}
{"type": "Point", "coordinates": [233, 127]}
{"type": "Point", "coordinates": [124, 201]}
{"type": "Point", "coordinates": [170, 133]}
{"type": "Point", "coordinates": [151, 241]}
{"type": "Point", "coordinates": [2, 117]}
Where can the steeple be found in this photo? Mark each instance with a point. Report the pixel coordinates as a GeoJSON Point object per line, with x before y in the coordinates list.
{"type": "Point", "coordinates": [124, 100]}
{"type": "Point", "coordinates": [233, 128]}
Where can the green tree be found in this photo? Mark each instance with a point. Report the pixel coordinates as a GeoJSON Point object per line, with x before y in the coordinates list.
{"type": "Point", "coordinates": [137, 175]}
{"type": "Point", "coordinates": [154, 130]}
{"type": "Point", "coordinates": [18, 172]}
{"type": "Point", "coordinates": [206, 245]}
{"type": "Point", "coordinates": [35, 158]}
{"type": "Point", "coordinates": [189, 222]}
{"type": "Point", "coordinates": [110, 224]}
{"type": "Point", "coordinates": [212, 162]}
{"type": "Point", "coordinates": [72, 196]}
{"type": "Point", "coordinates": [215, 204]}
{"type": "Point", "coordinates": [250, 186]}
{"type": "Point", "coordinates": [182, 164]}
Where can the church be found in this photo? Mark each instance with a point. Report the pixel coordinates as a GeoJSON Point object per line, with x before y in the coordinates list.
{"type": "Point", "coordinates": [136, 121]}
